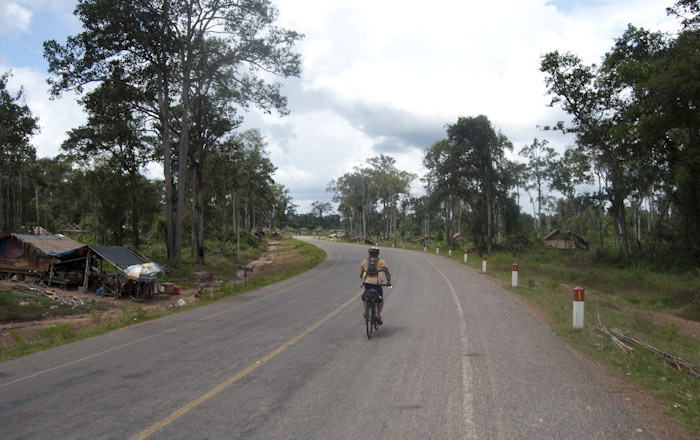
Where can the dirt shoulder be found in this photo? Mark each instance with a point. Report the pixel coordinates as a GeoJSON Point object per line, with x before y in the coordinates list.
{"type": "Point", "coordinates": [108, 308]}
{"type": "Point", "coordinates": [646, 407]}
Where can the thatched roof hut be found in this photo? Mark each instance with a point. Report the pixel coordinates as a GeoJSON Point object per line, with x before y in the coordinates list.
{"type": "Point", "coordinates": [565, 240]}
{"type": "Point", "coordinates": [30, 254]}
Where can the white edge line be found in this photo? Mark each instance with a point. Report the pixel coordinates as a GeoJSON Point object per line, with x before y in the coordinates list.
{"type": "Point", "coordinates": [469, 427]}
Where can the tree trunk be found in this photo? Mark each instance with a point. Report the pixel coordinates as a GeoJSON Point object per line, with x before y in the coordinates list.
{"type": "Point", "coordinates": [200, 218]}
{"type": "Point", "coordinates": [164, 105]}
{"type": "Point", "coordinates": [186, 60]}
{"type": "Point", "coordinates": [222, 210]}
{"type": "Point", "coordinates": [36, 204]}
{"type": "Point", "coordinates": [2, 201]}
{"type": "Point", "coordinates": [193, 216]}
{"type": "Point", "coordinates": [164, 115]}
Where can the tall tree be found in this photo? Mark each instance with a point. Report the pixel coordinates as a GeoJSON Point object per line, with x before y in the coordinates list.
{"type": "Point", "coordinates": [116, 131]}
{"type": "Point", "coordinates": [356, 194]}
{"type": "Point", "coordinates": [318, 208]}
{"type": "Point", "coordinates": [539, 174]}
{"type": "Point", "coordinates": [447, 179]}
{"type": "Point", "coordinates": [248, 47]}
{"type": "Point", "coordinates": [593, 98]}
{"type": "Point", "coordinates": [663, 96]}
{"type": "Point", "coordinates": [391, 183]}
{"type": "Point", "coordinates": [17, 125]}
{"type": "Point", "coordinates": [482, 160]}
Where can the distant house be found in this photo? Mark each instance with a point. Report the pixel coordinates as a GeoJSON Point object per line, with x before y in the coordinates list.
{"type": "Point", "coordinates": [459, 237]}
{"type": "Point", "coordinates": [425, 241]}
{"type": "Point", "coordinates": [565, 240]}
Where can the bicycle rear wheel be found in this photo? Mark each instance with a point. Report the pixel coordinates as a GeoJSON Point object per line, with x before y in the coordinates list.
{"type": "Point", "coordinates": [371, 317]}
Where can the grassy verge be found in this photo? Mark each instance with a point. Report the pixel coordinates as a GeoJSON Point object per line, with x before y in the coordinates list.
{"type": "Point", "coordinates": [615, 295]}
{"type": "Point", "coordinates": [292, 258]}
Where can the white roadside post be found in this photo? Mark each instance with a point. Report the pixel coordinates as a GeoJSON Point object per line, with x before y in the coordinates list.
{"type": "Point", "coordinates": [483, 264]}
{"type": "Point", "coordinates": [425, 248]}
{"type": "Point", "coordinates": [515, 275]}
{"type": "Point", "coordinates": [578, 307]}
{"type": "Point", "coordinates": [466, 253]}
{"type": "Point", "coordinates": [437, 250]}
{"type": "Point", "coordinates": [449, 252]}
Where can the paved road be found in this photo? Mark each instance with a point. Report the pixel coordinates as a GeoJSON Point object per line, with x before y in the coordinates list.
{"type": "Point", "coordinates": [457, 358]}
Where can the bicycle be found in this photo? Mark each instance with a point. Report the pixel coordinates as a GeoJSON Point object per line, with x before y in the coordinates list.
{"type": "Point", "coordinates": [371, 322]}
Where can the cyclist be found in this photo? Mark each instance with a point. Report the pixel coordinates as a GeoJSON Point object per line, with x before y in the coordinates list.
{"type": "Point", "coordinates": [370, 272]}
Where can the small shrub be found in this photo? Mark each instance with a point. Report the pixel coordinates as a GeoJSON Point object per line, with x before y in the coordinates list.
{"type": "Point", "coordinates": [635, 301]}
{"type": "Point", "coordinates": [669, 331]}
{"type": "Point", "coordinates": [19, 339]}
{"type": "Point", "coordinates": [58, 331]}
{"type": "Point", "coordinates": [96, 317]}
{"type": "Point", "coordinates": [553, 284]}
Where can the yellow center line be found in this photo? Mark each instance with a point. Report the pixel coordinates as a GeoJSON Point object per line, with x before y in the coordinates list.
{"type": "Point", "coordinates": [211, 393]}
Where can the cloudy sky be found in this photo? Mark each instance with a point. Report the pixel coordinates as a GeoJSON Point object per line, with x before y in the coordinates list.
{"type": "Point", "coordinates": [379, 76]}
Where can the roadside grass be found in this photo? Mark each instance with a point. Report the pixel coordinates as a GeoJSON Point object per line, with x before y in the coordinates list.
{"type": "Point", "coordinates": [613, 294]}
{"type": "Point", "coordinates": [19, 306]}
{"type": "Point", "coordinates": [297, 257]}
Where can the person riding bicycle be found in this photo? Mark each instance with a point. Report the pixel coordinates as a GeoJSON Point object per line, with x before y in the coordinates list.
{"type": "Point", "coordinates": [370, 272]}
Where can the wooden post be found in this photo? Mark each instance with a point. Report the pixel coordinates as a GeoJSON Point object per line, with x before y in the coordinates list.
{"type": "Point", "coordinates": [86, 273]}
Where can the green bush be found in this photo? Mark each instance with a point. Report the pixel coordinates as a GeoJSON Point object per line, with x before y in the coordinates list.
{"type": "Point", "coordinates": [58, 331]}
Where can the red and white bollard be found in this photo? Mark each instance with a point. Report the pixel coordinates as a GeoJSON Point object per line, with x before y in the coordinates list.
{"type": "Point", "coordinates": [449, 251]}
{"type": "Point", "coordinates": [466, 255]}
{"type": "Point", "coordinates": [483, 264]}
{"type": "Point", "coordinates": [578, 307]}
{"type": "Point", "coordinates": [515, 275]}
{"type": "Point", "coordinates": [437, 250]}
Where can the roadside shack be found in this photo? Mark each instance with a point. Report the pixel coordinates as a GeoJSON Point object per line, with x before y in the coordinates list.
{"type": "Point", "coordinates": [53, 259]}
{"type": "Point", "coordinates": [61, 261]}
{"type": "Point", "coordinates": [135, 275]}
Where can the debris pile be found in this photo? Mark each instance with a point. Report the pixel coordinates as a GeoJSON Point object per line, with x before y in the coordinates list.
{"type": "Point", "coordinates": [68, 300]}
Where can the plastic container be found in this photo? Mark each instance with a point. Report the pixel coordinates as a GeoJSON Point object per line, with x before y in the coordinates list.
{"type": "Point", "coordinates": [98, 291]}
{"type": "Point", "coordinates": [177, 290]}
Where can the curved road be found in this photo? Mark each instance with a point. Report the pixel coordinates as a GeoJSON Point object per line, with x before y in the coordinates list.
{"type": "Point", "coordinates": [457, 358]}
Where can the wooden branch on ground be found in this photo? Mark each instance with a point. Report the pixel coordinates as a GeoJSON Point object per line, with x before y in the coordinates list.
{"type": "Point", "coordinates": [617, 337]}
{"type": "Point", "coordinates": [614, 339]}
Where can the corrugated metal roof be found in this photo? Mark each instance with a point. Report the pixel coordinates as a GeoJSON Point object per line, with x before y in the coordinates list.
{"type": "Point", "coordinates": [119, 256]}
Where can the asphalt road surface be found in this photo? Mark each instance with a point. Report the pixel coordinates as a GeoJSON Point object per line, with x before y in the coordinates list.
{"type": "Point", "coordinates": [456, 358]}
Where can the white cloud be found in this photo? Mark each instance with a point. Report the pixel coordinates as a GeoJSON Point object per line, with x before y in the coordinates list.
{"type": "Point", "coordinates": [14, 18]}
{"type": "Point", "coordinates": [56, 117]}
{"type": "Point", "coordinates": [387, 75]}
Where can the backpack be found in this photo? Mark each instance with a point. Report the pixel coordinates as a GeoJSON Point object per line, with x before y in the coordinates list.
{"type": "Point", "coordinates": [372, 265]}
